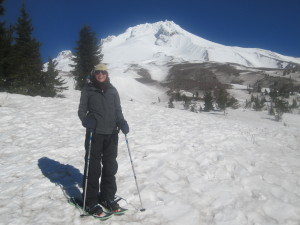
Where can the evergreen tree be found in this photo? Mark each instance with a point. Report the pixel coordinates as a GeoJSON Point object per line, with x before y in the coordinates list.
{"type": "Point", "coordinates": [170, 103]}
{"type": "Point", "coordinates": [281, 106]}
{"type": "Point", "coordinates": [258, 105]}
{"type": "Point", "coordinates": [294, 104]}
{"type": "Point", "coordinates": [52, 82]}
{"type": "Point", "coordinates": [187, 103]}
{"type": "Point", "coordinates": [178, 97]}
{"type": "Point", "coordinates": [1, 7]}
{"type": "Point", "coordinates": [258, 88]}
{"type": "Point", "coordinates": [221, 99]}
{"type": "Point", "coordinates": [208, 102]}
{"type": "Point", "coordinates": [273, 94]}
{"type": "Point", "coordinates": [6, 40]}
{"type": "Point", "coordinates": [27, 74]}
{"type": "Point", "coordinates": [271, 110]}
{"type": "Point", "coordinates": [233, 103]}
{"type": "Point", "coordinates": [87, 55]}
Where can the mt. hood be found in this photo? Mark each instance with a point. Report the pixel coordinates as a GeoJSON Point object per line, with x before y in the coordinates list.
{"type": "Point", "coordinates": [167, 42]}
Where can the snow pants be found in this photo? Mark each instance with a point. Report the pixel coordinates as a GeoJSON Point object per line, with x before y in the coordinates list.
{"type": "Point", "coordinates": [103, 163]}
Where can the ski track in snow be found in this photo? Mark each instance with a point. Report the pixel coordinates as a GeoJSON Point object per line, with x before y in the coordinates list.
{"type": "Point", "coordinates": [202, 169]}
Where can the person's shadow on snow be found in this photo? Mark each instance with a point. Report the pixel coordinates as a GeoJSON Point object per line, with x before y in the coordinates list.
{"type": "Point", "coordinates": [66, 176]}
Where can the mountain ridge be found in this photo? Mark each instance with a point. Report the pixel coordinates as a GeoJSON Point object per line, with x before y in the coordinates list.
{"type": "Point", "coordinates": [144, 41]}
{"type": "Point", "coordinates": [164, 42]}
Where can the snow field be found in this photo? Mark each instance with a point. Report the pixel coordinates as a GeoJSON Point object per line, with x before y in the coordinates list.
{"type": "Point", "coordinates": [242, 168]}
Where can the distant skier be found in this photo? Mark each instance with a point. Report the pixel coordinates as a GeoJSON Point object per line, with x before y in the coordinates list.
{"type": "Point", "coordinates": [100, 110]}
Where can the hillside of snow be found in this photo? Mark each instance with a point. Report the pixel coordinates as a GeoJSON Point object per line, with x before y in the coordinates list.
{"type": "Point", "coordinates": [192, 168]}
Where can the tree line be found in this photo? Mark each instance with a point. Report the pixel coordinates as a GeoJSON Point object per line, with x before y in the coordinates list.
{"type": "Point", "coordinates": [217, 99]}
{"type": "Point", "coordinates": [275, 101]}
{"type": "Point", "coordinates": [21, 67]}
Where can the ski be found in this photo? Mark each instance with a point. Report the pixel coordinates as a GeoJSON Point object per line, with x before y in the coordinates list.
{"type": "Point", "coordinates": [79, 204]}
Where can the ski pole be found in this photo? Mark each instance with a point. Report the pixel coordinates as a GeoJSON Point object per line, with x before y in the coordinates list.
{"type": "Point", "coordinates": [87, 171]}
{"type": "Point", "coordinates": [142, 208]}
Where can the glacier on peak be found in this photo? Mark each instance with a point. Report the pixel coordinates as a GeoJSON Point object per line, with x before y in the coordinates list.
{"type": "Point", "coordinates": [64, 54]}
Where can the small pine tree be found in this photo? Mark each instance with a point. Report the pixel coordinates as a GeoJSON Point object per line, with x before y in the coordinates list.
{"type": "Point", "coordinates": [170, 104]}
{"type": "Point", "coordinates": [184, 98]}
{"type": "Point", "coordinates": [258, 105]}
{"type": "Point", "coordinates": [187, 103]}
{"type": "Point", "coordinates": [258, 88]}
{"type": "Point", "coordinates": [208, 102]}
{"type": "Point", "coordinates": [281, 106]}
{"type": "Point", "coordinates": [53, 84]}
{"type": "Point", "coordinates": [178, 96]}
{"type": "Point", "coordinates": [294, 104]}
{"type": "Point", "coordinates": [278, 115]}
{"type": "Point", "coordinates": [273, 94]}
{"type": "Point", "coordinates": [221, 99]}
{"type": "Point", "coordinates": [233, 103]}
{"type": "Point", "coordinates": [271, 110]}
{"type": "Point", "coordinates": [87, 55]}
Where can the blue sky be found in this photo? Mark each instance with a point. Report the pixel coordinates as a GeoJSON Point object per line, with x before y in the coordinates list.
{"type": "Point", "coordinates": [267, 24]}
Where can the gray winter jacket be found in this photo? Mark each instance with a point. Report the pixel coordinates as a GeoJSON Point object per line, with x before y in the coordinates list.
{"type": "Point", "coordinates": [104, 106]}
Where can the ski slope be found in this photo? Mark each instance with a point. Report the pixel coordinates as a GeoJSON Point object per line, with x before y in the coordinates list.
{"type": "Point", "coordinates": [192, 168]}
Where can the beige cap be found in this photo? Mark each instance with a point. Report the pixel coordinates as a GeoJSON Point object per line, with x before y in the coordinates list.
{"type": "Point", "coordinates": [100, 67]}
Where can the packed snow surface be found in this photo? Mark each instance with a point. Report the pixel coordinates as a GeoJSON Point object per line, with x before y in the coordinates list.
{"type": "Point", "coordinates": [192, 168]}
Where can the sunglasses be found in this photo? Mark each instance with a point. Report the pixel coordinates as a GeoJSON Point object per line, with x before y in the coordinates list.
{"type": "Point", "coordinates": [97, 72]}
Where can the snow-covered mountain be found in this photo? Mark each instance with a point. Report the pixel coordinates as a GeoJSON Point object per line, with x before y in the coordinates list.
{"type": "Point", "coordinates": [164, 42]}
{"type": "Point", "coordinates": [149, 52]}
{"type": "Point", "coordinates": [64, 60]}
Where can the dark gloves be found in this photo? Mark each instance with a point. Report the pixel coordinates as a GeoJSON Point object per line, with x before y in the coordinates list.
{"type": "Point", "coordinates": [90, 122]}
{"type": "Point", "coordinates": [123, 125]}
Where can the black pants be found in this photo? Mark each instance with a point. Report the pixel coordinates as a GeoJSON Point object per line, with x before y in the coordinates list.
{"type": "Point", "coordinates": [103, 158]}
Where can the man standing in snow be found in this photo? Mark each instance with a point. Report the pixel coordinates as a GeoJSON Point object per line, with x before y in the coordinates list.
{"type": "Point", "coordinates": [100, 110]}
